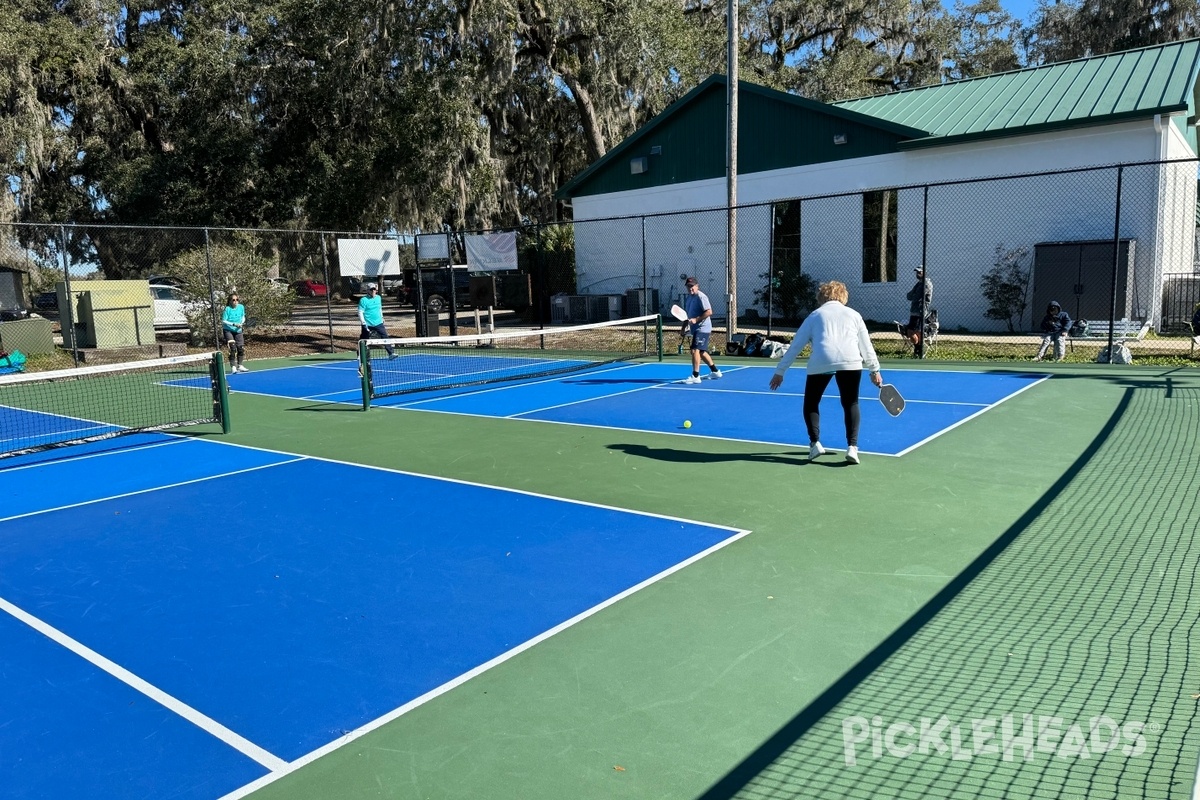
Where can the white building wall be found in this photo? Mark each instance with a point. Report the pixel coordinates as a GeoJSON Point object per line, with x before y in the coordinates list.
{"type": "Point", "coordinates": [966, 222]}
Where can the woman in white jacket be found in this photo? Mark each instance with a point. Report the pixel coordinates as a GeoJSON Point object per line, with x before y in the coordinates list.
{"type": "Point", "coordinates": [841, 348]}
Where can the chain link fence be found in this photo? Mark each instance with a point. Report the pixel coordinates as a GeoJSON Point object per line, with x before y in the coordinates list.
{"type": "Point", "coordinates": [1114, 246]}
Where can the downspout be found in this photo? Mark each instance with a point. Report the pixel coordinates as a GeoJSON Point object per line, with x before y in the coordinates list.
{"type": "Point", "coordinates": [1161, 245]}
{"type": "Point", "coordinates": [1160, 127]}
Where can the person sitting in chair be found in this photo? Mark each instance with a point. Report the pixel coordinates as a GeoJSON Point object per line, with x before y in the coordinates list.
{"type": "Point", "coordinates": [919, 297]}
{"type": "Point", "coordinates": [1055, 326]}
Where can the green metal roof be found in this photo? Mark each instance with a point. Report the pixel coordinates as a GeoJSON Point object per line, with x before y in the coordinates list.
{"type": "Point", "coordinates": [1127, 85]}
{"type": "Point", "coordinates": [776, 130]}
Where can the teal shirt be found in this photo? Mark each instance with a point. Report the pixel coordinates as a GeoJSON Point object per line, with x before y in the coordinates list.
{"type": "Point", "coordinates": [371, 309]}
{"type": "Point", "coordinates": [232, 319]}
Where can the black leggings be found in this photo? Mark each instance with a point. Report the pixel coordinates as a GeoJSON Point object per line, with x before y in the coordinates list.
{"type": "Point", "coordinates": [847, 383]}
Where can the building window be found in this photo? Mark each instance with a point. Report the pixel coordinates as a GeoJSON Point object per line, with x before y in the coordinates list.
{"type": "Point", "coordinates": [879, 236]}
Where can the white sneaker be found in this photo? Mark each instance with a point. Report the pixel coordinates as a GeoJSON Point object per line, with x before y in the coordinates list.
{"type": "Point", "coordinates": [852, 455]}
{"type": "Point", "coordinates": [692, 379]}
{"type": "Point", "coordinates": [716, 374]}
{"type": "Point", "coordinates": [814, 450]}
{"type": "Point", "coordinates": [241, 368]}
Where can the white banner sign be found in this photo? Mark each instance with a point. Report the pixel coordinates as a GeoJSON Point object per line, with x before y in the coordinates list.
{"type": "Point", "coordinates": [491, 252]}
{"type": "Point", "coordinates": [368, 258]}
{"type": "Point", "coordinates": [433, 247]}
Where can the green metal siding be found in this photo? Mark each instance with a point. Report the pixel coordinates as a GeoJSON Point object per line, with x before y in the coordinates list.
{"type": "Point", "coordinates": [775, 131]}
{"type": "Point", "coordinates": [1132, 84]}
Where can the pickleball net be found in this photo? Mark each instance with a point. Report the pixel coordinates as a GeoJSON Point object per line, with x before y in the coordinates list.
{"type": "Point", "coordinates": [399, 366]}
{"type": "Point", "coordinates": [39, 411]}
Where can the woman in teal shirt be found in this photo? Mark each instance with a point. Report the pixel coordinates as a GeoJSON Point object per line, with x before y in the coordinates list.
{"type": "Point", "coordinates": [233, 320]}
{"type": "Point", "coordinates": [370, 315]}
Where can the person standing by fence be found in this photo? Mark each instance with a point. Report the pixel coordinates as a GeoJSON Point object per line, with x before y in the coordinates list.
{"type": "Point", "coordinates": [919, 297]}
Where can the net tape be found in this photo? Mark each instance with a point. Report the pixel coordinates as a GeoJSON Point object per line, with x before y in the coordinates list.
{"type": "Point", "coordinates": [42, 410]}
{"type": "Point", "coordinates": [403, 365]}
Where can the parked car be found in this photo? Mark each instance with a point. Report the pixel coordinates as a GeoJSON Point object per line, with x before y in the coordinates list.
{"type": "Point", "coordinates": [168, 307]}
{"type": "Point", "coordinates": [390, 285]}
{"type": "Point", "coordinates": [309, 288]}
{"type": "Point", "coordinates": [436, 288]}
{"type": "Point", "coordinates": [46, 301]}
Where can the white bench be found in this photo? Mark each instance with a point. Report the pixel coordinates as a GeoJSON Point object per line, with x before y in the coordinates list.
{"type": "Point", "coordinates": [1121, 329]}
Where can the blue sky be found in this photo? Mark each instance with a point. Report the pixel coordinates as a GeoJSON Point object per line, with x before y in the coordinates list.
{"type": "Point", "coordinates": [1021, 9]}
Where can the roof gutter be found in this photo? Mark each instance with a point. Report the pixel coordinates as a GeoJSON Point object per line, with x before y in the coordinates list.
{"type": "Point", "coordinates": [1027, 130]}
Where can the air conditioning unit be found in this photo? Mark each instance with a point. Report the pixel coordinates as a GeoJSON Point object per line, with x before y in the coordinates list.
{"type": "Point", "coordinates": [558, 309]}
{"type": "Point", "coordinates": [604, 307]}
{"type": "Point", "coordinates": [577, 309]}
{"type": "Point", "coordinates": [641, 302]}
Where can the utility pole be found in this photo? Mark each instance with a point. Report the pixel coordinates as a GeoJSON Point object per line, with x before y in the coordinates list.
{"type": "Point", "coordinates": [731, 164]}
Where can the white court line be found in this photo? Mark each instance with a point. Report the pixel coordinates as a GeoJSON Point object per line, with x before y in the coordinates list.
{"type": "Point", "coordinates": [515, 386]}
{"type": "Point", "coordinates": [660, 385]}
{"type": "Point", "coordinates": [396, 713]}
{"type": "Point", "coordinates": [964, 420]}
{"type": "Point", "coordinates": [152, 489]}
{"type": "Point", "coordinates": [202, 721]}
{"type": "Point", "coordinates": [674, 386]}
{"type": "Point", "coordinates": [69, 459]}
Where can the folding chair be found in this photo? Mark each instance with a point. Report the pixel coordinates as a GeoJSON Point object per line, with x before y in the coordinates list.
{"type": "Point", "coordinates": [929, 336]}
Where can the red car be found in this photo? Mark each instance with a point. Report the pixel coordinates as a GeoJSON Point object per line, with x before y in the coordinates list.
{"type": "Point", "coordinates": [310, 289]}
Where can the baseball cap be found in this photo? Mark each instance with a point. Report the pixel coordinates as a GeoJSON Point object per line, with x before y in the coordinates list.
{"type": "Point", "coordinates": [691, 281]}
{"type": "Point", "coordinates": [371, 286]}
{"type": "Point", "coordinates": [918, 270]}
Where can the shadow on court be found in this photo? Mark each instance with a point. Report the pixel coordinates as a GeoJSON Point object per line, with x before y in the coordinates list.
{"type": "Point", "coordinates": [1059, 580]}
{"type": "Point", "coordinates": [674, 456]}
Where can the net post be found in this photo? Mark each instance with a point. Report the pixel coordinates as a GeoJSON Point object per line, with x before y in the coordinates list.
{"type": "Point", "coordinates": [658, 325]}
{"type": "Point", "coordinates": [364, 373]}
{"type": "Point", "coordinates": [220, 391]}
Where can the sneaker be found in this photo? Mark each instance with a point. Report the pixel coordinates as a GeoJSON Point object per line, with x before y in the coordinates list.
{"type": "Point", "coordinates": [814, 450]}
{"type": "Point", "coordinates": [242, 368]}
{"type": "Point", "coordinates": [852, 455]}
{"type": "Point", "coordinates": [715, 374]}
{"type": "Point", "coordinates": [392, 356]}
{"type": "Point", "coordinates": [692, 379]}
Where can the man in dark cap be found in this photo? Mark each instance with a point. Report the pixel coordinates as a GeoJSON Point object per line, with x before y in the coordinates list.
{"type": "Point", "coordinates": [699, 317]}
{"type": "Point", "coordinates": [1055, 325]}
{"type": "Point", "coordinates": [919, 297]}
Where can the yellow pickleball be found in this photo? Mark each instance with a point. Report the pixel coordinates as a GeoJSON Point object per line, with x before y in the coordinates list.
{"type": "Point", "coordinates": [687, 423]}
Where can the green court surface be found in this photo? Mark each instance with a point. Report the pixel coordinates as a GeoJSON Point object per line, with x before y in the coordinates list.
{"type": "Point", "coordinates": [1035, 566]}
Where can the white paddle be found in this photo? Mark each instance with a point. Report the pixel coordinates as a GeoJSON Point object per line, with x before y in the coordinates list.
{"type": "Point", "coordinates": [678, 313]}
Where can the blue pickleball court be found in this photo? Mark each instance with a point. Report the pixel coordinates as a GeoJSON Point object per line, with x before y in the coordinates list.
{"type": "Point", "coordinates": [189, 614]}
{"type": "Point", "coordinates": [739, 406]}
